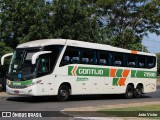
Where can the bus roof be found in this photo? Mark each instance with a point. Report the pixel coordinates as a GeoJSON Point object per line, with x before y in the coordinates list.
{"type": "Point", "coordinates": [76, 43]}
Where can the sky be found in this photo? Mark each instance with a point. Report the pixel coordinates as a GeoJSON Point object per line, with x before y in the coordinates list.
{"type": "Point", "coordinates": [152, 42]}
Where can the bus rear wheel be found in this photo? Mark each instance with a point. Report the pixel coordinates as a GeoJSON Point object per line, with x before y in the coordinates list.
{"type": "Point", "coordinates": [138, 92]}
{"type": "Point", "coordinates": [63, 93]}
{"type": "Point", "coordinates": [129, 92]}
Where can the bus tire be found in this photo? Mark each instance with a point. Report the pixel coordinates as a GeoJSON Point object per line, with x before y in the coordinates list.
{"type": "Point", "coordinates": [63, 93]}
{"type": "Point", "coordinates": [138, 92]}
{"type": "Point", "coordinates": [129, 92]}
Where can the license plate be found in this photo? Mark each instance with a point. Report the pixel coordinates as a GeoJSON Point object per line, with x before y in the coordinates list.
{"type": "Point", "coordinates": [16, 92]}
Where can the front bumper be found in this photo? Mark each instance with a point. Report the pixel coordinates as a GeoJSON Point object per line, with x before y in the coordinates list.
{"type": "Point", "coordinates": [25, 91]}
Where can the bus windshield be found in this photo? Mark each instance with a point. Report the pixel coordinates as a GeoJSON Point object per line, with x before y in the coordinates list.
{"type": "Point", "coordinates": [21, 66]}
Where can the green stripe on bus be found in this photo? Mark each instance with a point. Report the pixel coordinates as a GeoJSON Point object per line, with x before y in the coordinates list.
{"type": "Point", "coordinates": [143, 74]}
{"type": "Point", "coordinates": [70, 70]}
{"type": "Point", "coordinates": [119, 73]}
{"type": "Point", "coordinates": [115, 81]}
{"type": "Point", "coordinates": [19, 83]}
{"type": "Point", "coordinates": [92, 71]}
{"type": "Point", "coordinates": [88, 71]}
{"type": "Point", "coordinates": [133, 73]}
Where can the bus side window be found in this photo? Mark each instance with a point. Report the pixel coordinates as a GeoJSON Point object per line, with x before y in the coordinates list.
{"type": "Point", "coordinates": [71, 56]}
{"type": "Point", "coordinates": [103, 58]}
{"type": "Point", "coordinates": [118, 59]}
{"type": "Point", "coordinates": [141, 62]}
{"type": "Point", "coordinates": [131, 61]}
{"type": "Point", "coordinates": [44, 64]}
{"type": "Point", "coordinates": [85, 60]}
{"type": "Point", "coordinates": [56, 51]}
{"type": "Point", "coordinates": [75, 60]}
{"type": "Point", "coordinates": [151, 62]}
{"type": "Point", "coordinates": [87, 56]}
{"type": "Point", "coordinates": [66, 60]}
{"type": "Point", "coordinates": [93, 61]}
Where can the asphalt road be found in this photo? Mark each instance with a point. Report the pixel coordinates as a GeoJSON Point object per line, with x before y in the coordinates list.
{"type": "Point", "coordinates": [16, 103]}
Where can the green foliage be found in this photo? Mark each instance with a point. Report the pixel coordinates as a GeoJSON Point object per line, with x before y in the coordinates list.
{"type": "Point", "coordinates": [121, 23]}
{"type": "Point", "coordinates": [128, 21]}
{"type": "Point", "coordinates": [23, 21]}
{"type": "Point", "coordinates": [73, 20]}
{"type": "Point", "coordinates": [4, 50]}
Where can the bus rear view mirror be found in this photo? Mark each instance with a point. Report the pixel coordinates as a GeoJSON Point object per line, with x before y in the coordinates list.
{"type": "Point", "coordinates": [37, 54]}
{"type": "Point", "coordinates": [4, 56]}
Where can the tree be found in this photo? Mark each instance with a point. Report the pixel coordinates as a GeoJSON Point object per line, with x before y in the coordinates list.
{"type": "Point", "coordinates": [23, 21]}
{"type": "Point", "coordinates": [121, 23]}
{"type": "Point", "coordinates": [4, 50]}
{"type": "Point", "coordinates": [74, 19]}
{"type": "Point", "coordinates": [128, 21]}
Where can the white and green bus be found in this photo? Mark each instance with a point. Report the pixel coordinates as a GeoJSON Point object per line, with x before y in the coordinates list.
{"type": "Point", "coordinates": [65, 67]}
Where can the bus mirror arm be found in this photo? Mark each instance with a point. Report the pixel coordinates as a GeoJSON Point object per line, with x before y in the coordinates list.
{"type": "Point", "coordinates": [37, 54]}
{"type": "Point", "coordinates": [4, 56]}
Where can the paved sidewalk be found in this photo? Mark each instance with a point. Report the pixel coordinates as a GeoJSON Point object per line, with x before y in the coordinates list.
{"type": "Point", "coordinates": [3, 94]}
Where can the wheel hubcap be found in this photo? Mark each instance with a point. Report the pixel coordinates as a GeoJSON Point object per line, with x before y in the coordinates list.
{"type": "Point", "coordinates": [63, 93]}
{"type": "Point", "coordinates": [129, 93]}
{"type": "Point", "coordinates": [138, 92]}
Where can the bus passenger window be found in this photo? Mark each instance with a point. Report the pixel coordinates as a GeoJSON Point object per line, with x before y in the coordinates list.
{"type": "Point", "coordinates": [93, 61]}
{"type": "Point", "coordinates": [141, 61]}
{"type": "Point", "coordinates": [131, 62]}
{"type": "Point", "coordinates": [44, 64]}
{"type": "Point", "coordinates": [102, 62]}
{"type": "Point", "coordinates": [87, 56]}
{"type": "Point", "coordinates": [103, 58]}
{"type": "Point", "coordinates": [66, 60]}
{"type": "Point", "coordinates": [118, 60]}
{"type": "Point", "coordinates": [85, 60]}
{"type": "Point", "coordinates": [141, 64]}
{"type": "Point", "coordinates": [75, 60]}
{"type": "Point", "coordinates": [71, 56]}
{"type": "Point", "coordinates": [151, 62]}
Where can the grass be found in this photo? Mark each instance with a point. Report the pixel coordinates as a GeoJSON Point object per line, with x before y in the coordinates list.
{"type": "Point", "coordinates": [148, 111]}
{"type": "Point", "coordinates": [139, 108]}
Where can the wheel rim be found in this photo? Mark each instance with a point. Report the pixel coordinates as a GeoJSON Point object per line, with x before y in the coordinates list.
{"type": "Point", "coordinates": [138, 92]}
{"type": "Point", "coordinates": [63, 93]}
{"type": "Point", "coordinates": [130, 92]}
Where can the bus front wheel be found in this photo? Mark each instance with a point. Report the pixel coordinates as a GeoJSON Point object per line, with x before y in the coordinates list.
{"type": "Point", "coordinates": [129, 92]}
{"type": "Point", "coordinates": [63, 93]}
